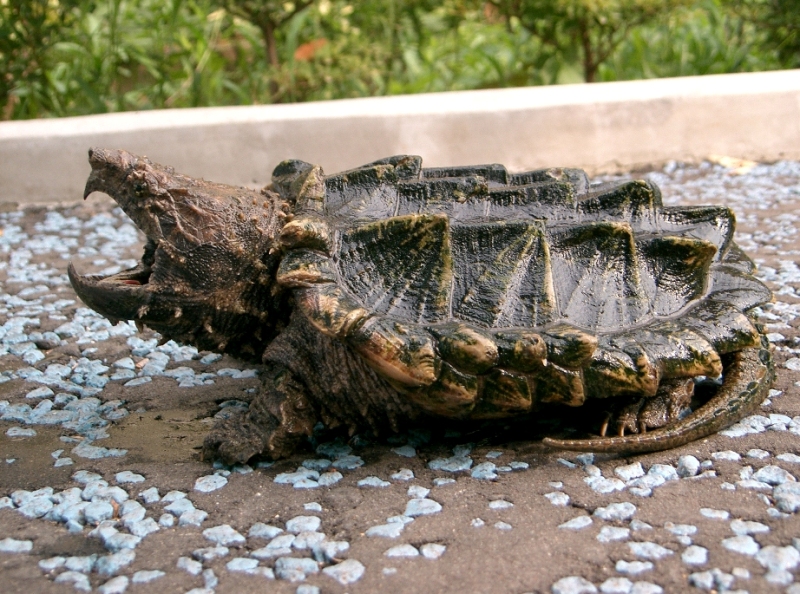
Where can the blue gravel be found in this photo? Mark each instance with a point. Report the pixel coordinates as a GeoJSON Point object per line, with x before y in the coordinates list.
{"type": "Point", "coordinates": [578, 523]}
{"type": "Point", "coordinates": [224, 535]}
{"type": "Point", "coordinates": [573, 585]}
{"type": "Point", "coordinates": [346, 572]}
{"type": "Point", "coordinates": [206, 484]}
{"type": "Point", "coordinates": [744, 545]}
{"type": "Point", "coordinates": [422, 507]}
{"type": "Point", "coordinates": [265, 531]}
{"type": "Point", "coordinates": [303, 524]}
{"type": "Point", "coordinates": [12, 545]}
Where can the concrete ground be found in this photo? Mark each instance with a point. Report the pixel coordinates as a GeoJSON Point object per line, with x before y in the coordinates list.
{"type": "Point", "coordinates": [102, 488]}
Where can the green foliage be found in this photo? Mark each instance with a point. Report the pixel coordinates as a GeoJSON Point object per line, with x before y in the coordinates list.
{"type": "Point", "coordinates": [73, 57]}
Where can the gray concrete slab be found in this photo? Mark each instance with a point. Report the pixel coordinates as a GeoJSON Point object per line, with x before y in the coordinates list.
{"type": "Point", "coordinates": [598, 127]}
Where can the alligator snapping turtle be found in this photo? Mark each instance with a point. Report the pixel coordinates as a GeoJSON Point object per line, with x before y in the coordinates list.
{"type": "Point", "coordinates": [391, 291]}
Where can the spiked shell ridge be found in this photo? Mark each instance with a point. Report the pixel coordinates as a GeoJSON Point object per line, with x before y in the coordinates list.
{"type": "Point", "coordinates": [482, 294]}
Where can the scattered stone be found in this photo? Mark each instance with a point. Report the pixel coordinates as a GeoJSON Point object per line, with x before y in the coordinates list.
{"type": "Point", "coordinates": [773, 475]}
{"type": "Point", "coordinates": [500, 504]}
{"type": "Point", "coordinates": [422, 507]}
{"type": "Point", "coordinates": [741, 527]}
{"type": "Point", "coordinates": [12, 545]}
{"type": "Point", "coordinates": [688, 466]}
{"type": "Point", "coordinates": [573, 585]}
{"type": "Point", "coordinates": [404, 474]}
{"type": "Point", "coordinates": [714, 514]}
{"type": "Point", "coordinates": [390, 530]}
{"type": "Point", "coordinates": [208, 554]}
{"type": "Point", "coordinates": [190, 565]}
{"type": "Point", "coordinates": [241, 564]}
{"type": "Point", "coordinates": [78, 580]}
{"type": "Point", "coordinates": [327, 479]}
{"type": "Point", "coordinates": [212, 482]}
{"type": "Point", "coordinates": [146, 576]}
{"type": "Point", "coordinates": [126, 476]}
{"type": "Point", "coordinates": [616, 585]}
{"type": "Point", "coordinates": [503, 526]}
{"type": "Point", "coordinates": [441, 482]}
{"type": "Point", "coordinates": [616, 512]}
{"type": "Point", "coordinates": [629, 472]}
{"type": "Point", "coordinates": [741, 544]}
{"type": "Point", "coordinates": [432, 550]}
{"type": "Point", "coordinates": [577, 523]}
{"type": "Point", "coordinates": [20, 432]}
{"type": "Point", "coordinates": [613, 534]}
{"type": "Point", "coordinates": [649, 550]}
{"type": "Point", "coordinates": [303, 524]}
{"type": "Point", "coordinates": [406, 451]}
{"type": "Point", "coordinates": [112, 564]}
{"type": "Point", "coordinates": [695, 555]}
{"type": "Point", "coordinates": [633, 567]}
{"type": "Point", "coordinates": [403, 550]}
{"type": "Point", "coordinates": [312, 506]}
{"type": "Point", "coordinates": [346, 572]}
{"type": "Point", "coordinates": [224, 535]}
{"type": "Point", "coordinates": [115, 585]}
{"type": "Point", "coordinates": [558, 498]}
{"type": "Point", "coordinates": [265, 531]}
{"type": "Point", "coordinates": [373, 481]}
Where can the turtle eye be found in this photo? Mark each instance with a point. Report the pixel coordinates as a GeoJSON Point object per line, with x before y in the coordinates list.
{"type": "Point", "coordinates": [139, 189]}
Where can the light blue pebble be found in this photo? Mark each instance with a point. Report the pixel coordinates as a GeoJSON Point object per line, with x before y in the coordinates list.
{"type": "Point", "coordinates": [577, 523]}
{"type": "Point", "coordinates": [20, 432]}
{"type": "Point", "coordinates": [139, 381]}
{"type": "Point", "coordinates": [12, 545]}
{"type": "Point", "coordinates": [241, 564]}
{"type": "Point", "coordinates": [391, 530]}
{"type": "Point", "coordinates": [261, 530]}
{"type": "Point", "coordinates": [224, 535]}
{"type": "Point", "coordinates": [422, 507]}
{"type": "Point", "coordinates": [318, 465]}
{"type": "Point", "coordinates": [633, 567]}
{"type": "Point", "coordinates": [212, 482]}
{"type": "Point", "coordinates": [111, 564]}
{"type": "Point", "coordinates": [179, 506]}
{"type": "Point", "coordinates": [348, 462]}
{"type": "Point", "coordinates": [326, 479]}
{"type": "Point", "coordinates": [485, 471]}
{"type": "Point", "coordinates": [126, 476]}
{"type": "Point", "coordinates": [573, 585]}
{"type": "Point", "coordinates": [406, 451]}
{"type": "Point", "coordinates": [373, 481]}
{"type": "Point", "coordinates": [146, 576]}
{"type": "Point", "coordinates": [695, 555]}
{"type": "Point", "coordinates": [36, 507]}
{"type": "Point", "coordinates": [649, 550]}
{"type": "Point", "coordinates": [194, 517]}
{"type": "Point", "coordinates": [744, 545]}
{"type": "Point", "coordinates": [613, 534]}
{"type": "Point", "coordinates": [96, 512]}
{"type": "Point", "coordinates": [453, 464]}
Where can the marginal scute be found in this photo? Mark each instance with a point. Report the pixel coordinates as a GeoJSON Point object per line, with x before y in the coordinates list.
{"type": "Point", "coordinates": [504, 394]}
{"type": "Point", "coordinates": [328, 309]}
{"type": "Point", "coordinates": [304, 268]}
{"type": "Point", "coordinates": [724, 326]}
{"type": "Point", "coordinates": [621, 366]}
{"type": "Point", "coordinates": [714, 224]}
{"type": "Point", "coordinates": [521, 350]}
{"type": "Point", "coordinates": [680, 352]}
{"type": "Point", "coordinates": [569, 346]}
{"type": "Point", "coordinates": [466, 348]}
{"type": "Point", "coordinates": [737, 288]}
{"type": "Point", "coordinates": [453, 394]}
{"type": "Point", "coordinates": [306, 232]}
{"type": "Point", "coordinates": [408, 358]}
{"type": "Point", "coordinates": [556, 384]}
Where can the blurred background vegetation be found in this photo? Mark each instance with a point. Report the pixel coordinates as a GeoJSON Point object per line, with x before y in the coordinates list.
{"type": "Point", "coordinates": [75, 57]}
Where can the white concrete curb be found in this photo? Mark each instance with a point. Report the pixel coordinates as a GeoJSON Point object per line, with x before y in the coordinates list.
{"type": "Point", "coordinates": [598, 127]}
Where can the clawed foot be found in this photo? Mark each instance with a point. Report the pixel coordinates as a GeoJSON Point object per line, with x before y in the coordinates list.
{"type": "Point", "coordinates": [234, 440]}
{"type": "Point", "coordinates": [669, 404]}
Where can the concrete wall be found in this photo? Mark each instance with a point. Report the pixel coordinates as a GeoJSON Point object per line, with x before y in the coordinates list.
{"type": "Point", "coordinates": [598, 127]}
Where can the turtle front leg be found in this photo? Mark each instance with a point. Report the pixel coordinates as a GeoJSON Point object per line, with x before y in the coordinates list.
{"type": "Point", "coordinates": [669, 404]}
{"type": "Point", "coordinates": [279, 416]}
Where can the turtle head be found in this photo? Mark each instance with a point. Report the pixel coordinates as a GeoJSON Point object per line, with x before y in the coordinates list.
{"type": "Point", "coordinates": [207, 272]}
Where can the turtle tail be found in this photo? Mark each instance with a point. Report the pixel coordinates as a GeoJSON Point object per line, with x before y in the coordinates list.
{"type": "Point", "coordinates": [747, 380]}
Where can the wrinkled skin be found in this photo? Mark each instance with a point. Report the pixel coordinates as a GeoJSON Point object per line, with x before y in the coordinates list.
{"type": "Point", "coordinates": [252, 274]}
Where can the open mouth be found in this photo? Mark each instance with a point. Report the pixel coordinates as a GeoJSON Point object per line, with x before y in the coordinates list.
{"type": "Point", "coordinates": [125, 295]}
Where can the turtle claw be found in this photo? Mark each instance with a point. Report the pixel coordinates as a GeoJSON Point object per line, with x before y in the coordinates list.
{"type": "Point", "coordinates": [233, 440]}
{"type": "Point", "coordinates": [668, 405]}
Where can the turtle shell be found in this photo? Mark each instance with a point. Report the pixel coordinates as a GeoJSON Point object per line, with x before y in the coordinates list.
{"type": "Point", "coordinates": [481, 293]}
